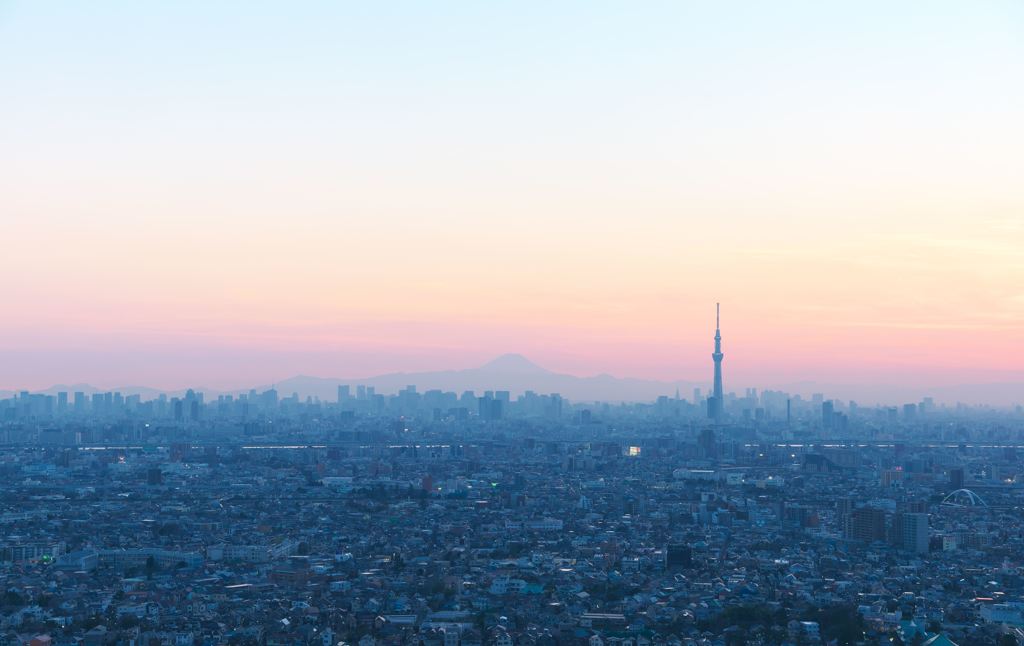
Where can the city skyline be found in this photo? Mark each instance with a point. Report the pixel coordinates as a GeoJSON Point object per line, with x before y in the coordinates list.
{"type": "Point", "coordinates": [405, 323]}
{"type": "Point", "coordinates": [515, 373]}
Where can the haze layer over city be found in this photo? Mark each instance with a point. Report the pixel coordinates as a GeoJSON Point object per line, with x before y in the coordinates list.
{"type": "Point", "coordinates": [511, 324]}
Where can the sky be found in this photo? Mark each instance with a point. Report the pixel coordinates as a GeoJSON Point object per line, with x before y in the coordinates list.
{"type": "Point", "coordinates": [230, 193]}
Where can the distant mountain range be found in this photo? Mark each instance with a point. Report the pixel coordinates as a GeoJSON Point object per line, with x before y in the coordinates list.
{"type": "Point", "coordinates": [512, 372]}
{"type": "Point", "coordinates": [516, 373]}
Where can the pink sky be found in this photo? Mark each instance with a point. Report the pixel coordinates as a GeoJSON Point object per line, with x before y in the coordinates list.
{"type": "Point", "coordinates": [228, 199]}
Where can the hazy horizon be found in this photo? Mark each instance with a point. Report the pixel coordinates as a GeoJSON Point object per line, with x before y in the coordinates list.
{"type": "Point", "coordinates": [518, 374]}
{"type": "Point", "coordinates": [233, 234]}
{"type": "Point", "coordinates": [236, 193]}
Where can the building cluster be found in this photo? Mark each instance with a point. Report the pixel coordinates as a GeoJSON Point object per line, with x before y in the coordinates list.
{"type": "Point", "coordinates": [437, 519]}
{"type": "Point", "coordinates": [619, 528]}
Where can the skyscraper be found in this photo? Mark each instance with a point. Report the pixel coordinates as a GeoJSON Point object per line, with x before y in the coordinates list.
{"type": "Point", "coordinates": [715, 402]}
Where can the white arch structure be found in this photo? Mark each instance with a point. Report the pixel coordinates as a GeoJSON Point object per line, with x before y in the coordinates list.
{"type": "Point", "coordinates": [964, 498]}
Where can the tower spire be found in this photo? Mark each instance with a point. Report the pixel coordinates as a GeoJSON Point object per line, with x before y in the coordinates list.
{"type": "Point", "coordinates": [717, 400]}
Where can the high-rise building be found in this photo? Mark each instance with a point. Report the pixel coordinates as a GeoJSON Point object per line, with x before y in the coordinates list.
{"type": "Point", "coordinates": [268, 399]}
{"type": "Point", "coordinates": [866, 524]}
{"type": "Point", "coordinates": [956, 478]}
{"type": "Point", "coordinates": [910, 532]}
{"type": "Point", "coordinates": [490, 408]}
{"type": "Point", "coordinates": [716, 401]}
{"type": "Point", "coordinates": [927, 405]}
{"type": "Point", "coordinates": [554, 407]}
{"type": "Point", "coordinates": [891, 477]}
{"type": "Point", "coordinates": [706, 442]}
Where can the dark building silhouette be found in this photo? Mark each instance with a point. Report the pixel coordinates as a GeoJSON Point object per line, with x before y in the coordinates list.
{"type": "Point", "coordinates": [678, 555]}
{"type": "Point", "coordinates": [707, 443]}
{"type": "Point", "coordinates": [817, 463]}
{"type": "Point", "coordinates": [956, 478]}
{"type": "Point", "coordinates": [866, 524]}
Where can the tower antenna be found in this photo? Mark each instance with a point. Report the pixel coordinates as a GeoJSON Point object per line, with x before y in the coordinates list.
{"type": "Point", "coordinates": [717, 399]}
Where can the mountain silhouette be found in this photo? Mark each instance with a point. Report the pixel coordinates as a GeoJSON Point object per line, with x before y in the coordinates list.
{"type": "Point", "coordinates": [511, 372]}
{"type": "Point", "coordinates": [513, 364]}
{"type": "Point", "coordinates": [517, 374]}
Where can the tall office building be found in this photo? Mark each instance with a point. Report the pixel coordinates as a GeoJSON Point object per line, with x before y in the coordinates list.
{"type": "Point", "coordinates": [866, 524]}
{"type": "Point", "coordinates": [956, 478]}
{"type": "Point", "coordinates": [910, 532]}
{"type": "Point", "coordinates": [716, 401]}
{"type": "Point", "coordinates": [490, 409]}
{"type": "Point", "coordinates": [910, 411]}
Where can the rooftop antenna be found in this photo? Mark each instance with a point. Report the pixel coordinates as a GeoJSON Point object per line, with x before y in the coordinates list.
{"type": "Point", "coordinates": [717, 307]}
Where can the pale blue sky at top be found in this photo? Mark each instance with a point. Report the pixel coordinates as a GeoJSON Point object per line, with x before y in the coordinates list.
{"type": "Point", "coordinates": [174, 173]}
